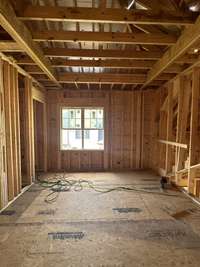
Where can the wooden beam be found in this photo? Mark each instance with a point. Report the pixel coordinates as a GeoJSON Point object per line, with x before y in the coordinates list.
{"type": "Point", "coordinates": [39, 95]}
{"type": "Point", "coordinates": [138, 134]}
{"type": "Point", "coordinates": [13, 103]}
{"type": "Point", "coordinates": [104, 37]}
{"type": "Point", "coordinates": [103, 54]}
{"type": "Point", "coordinates": [3, 158]}
{"type": "Point", "coordinates": [108, 53]}
{"type": "Point", "coordinates": [7, 46]}
{"type": "Point", "coordinates": [184, 90]}
{"type": "Point", "coordinates": [112, 54]}
{"type": "Point", "coordinates": [169, 128]}
{"type": "Point", "coordinates": [20, 70]}
{"type": "Point", "coordinates": [29, 132]}
{"type": "Point", "coordinates": [23, 37]}
{"type": "Point", "coordinates": [186, 40]}
{"type": "Point", "coordinates": [176, 144]}
{"type": "Point", "coordinates": [108, 15]}
{"type": "Point", "coordinates": [194, 135]}
{"type": "Point", "coordinates": [107, 78]}
{"type": "Point", "coordinates": [113, 64]}
{"type": "Point", "coordinates": [196, 166]}
{"type": "Point", "coordinates": [8, 127]}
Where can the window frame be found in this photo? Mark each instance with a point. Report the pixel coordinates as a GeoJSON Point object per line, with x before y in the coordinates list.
{"type": "Point", "coordinates": [81, 128]}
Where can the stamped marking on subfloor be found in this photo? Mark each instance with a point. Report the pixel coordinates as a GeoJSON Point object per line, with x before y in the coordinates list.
{"type": "Point", "coordinates": [46, 212]}
{"type": "Point", "coordinates": [127, 210]}
{"type": "Point", "coordinates": [65, 235]}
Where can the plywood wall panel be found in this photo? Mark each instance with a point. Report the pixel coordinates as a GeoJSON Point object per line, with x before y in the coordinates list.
{"type": "Point", "coordinates": [123, 130]}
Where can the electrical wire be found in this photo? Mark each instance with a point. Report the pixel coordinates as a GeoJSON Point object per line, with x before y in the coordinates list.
{"type": "Point", "coordinates": [63, 183]}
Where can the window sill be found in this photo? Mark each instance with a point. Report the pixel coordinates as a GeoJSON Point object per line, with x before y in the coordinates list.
{"type": "Point", "coordinates": [81, 150]}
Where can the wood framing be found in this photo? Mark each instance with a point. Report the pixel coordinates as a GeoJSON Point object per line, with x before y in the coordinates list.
{"type": "Point", "coordinates": [104, 37]}
{"type": "Point", "coordinates": [104, 54]}
{"type": "Point", "coordinates": [8, 131]}
{"type": "Point", "coordinates": [194, 138]}
{"type": "Point", "coordinates": [23, 37]}
{"type": "Point", "coordinates": [7, 46]}
{"type": "Point", "coordinates": [173, 143]}
{"type": "Point", "coordinates": [108, 53]}
{"type": "Point", "coordinates": [184, 91]}
{"type": "Point", "coordinates": [38, 95]}
{"type": "Point", "coordinates": [185, 41]}
{"type": "Point", "coordinates": [3, 158]}
{"type": "Point", "coordinates": [108, 15]}
{"type": "Point", "coordinates": [107, 78]}
{"type": "Point", "coordinates": [113, 64]}
{"type": "Point", "coordinates": [29, 132]}
{"type": "Point", "coordinates": [169, 131]}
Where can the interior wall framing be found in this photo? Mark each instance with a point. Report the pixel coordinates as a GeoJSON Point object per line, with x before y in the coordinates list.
{"type": "Point", "coordinates": [179, 113]}
{"type": "Point", "coordinates": [17, 167]}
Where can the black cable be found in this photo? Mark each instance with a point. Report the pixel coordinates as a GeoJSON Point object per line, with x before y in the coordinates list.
{"type": "Point", "coordinates": [64, 184]}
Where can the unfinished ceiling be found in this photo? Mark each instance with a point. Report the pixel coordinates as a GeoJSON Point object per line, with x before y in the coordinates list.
{"type": "Point", "coordinates": [99, 44]}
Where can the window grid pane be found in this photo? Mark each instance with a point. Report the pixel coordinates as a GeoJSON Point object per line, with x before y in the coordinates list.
{"type": "Point", "coordinates": [71, 118]}
{"type": "Point", "coordinates": [69, 139]}
{"type": "Point", "coordinates": [93, 119]}
{"type": "Point", "coordinates": [94, 139]}
{"type": "Point", "coordinates": [91, 133]}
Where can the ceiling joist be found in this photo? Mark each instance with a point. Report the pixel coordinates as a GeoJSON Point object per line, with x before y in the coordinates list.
{"type": "Point", "coordinates": [108, 78]}
{"type": "Point", "coordinates": [108, 15]}
{"type": "Point", "coordinates": [112, 54]}
{"type": "Point", "coordinates": [113, 64]}
{"type": "Point", "coordinates": [107, 53]}
{"type": "Point", "coordinates": [104, 37]}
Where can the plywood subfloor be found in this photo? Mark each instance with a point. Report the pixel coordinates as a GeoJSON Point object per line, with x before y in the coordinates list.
{"type": "Point", "coordinates": [155, 230]}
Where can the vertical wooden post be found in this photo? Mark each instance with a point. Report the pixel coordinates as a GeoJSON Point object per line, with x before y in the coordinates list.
{"type": "Point", "coordinates": [138, 130]}
{"type": "Point", "coordinates": [18, 132]}
{"type": "Point", "coordinates": [169, 135]}
{"type": "Point", "coordinates": [29, 132]}
{"type": "Point", "coordinates": [155, 133]}
{"type": "Point", "coordinates": [8, 125]}
{"type": "Point", "coordinates": [107, 134]}
{"type": "Point", "coordinates": [184, 91]}
{"type": "Point", "coordinates": [132, 130]}
{"type": "Point", "coordinates": [3, 160]}
{"type": "Point", "coordinates": [13, 104]}
{"type": "Point", "coordinates": [45, 134]}
{"type": "Point", "coordinates": [141, 111]}
{"type": "Point", "coordinates": [194, 139]}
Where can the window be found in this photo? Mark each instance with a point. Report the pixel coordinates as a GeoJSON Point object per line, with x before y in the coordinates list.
{"type": "Point", "coordinates": [82, 128]}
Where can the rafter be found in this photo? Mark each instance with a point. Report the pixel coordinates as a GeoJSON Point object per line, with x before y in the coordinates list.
{"type": "Point", "coordinates": [104, 37]}
{"type": "Point", "coordinates": [22, 36]}
{"type": "Point", "coordinates": [108, 15]}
